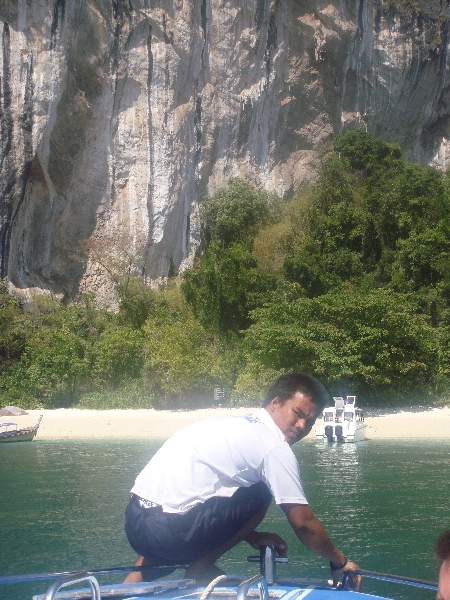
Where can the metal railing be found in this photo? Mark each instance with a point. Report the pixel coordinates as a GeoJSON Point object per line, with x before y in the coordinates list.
{"type": "Point", "coordinates": [243, 588]}
{"type": "Point", "coordinates": [71, 580]}
{"type": "Point", "coordinates": [8, 579]}
{"type": "Point", "coordinates": [430, 585]}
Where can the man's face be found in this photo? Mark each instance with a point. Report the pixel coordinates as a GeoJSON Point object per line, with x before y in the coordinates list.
{"type": "Point", "coordinates": [444, 581]}
{"type": "Point", "coordinates": [295, 417]}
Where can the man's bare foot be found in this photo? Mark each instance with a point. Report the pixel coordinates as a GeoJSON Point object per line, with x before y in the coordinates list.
{"type": "Point", "coordinates": [136, 576]}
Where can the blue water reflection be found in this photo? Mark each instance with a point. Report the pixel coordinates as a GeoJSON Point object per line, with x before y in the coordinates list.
{"type": "Point", "coordinates": [383, 503]}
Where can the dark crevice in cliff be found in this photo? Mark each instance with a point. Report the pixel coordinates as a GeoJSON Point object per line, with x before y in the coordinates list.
{"type": "Point", "coordinates": [5, 106]}
{"type": "Point", "coordinates": [24, 181]}
{"type": "Point", "coordinates": [270, 44]}
{"type": "Point", "coordinates": [6, 217]}
{"type": "Point", "coordinates": [361, 18]}
{"type": "Point", "coordinates": [26, 121]}
{"type": "Point", "coordinates": [118, 19]}
{"type": "Point", "coordinates": [151, 166]}
{"type": "Point", "coordinates": [187, 234]}
{"type": "Point", "coordinates": [259, 14]}
{"type": "Point", "coordinates": [59, 11]}
{"type": "Point", "coordinates": [244, 127]}
{"type": "Point", "coordinates": [198, 134]}
{"type": "Point", "coordinates": [122, 8]}
{"type": "Point", "coordinates": [377, 22]}
{"type": "Point", "coordinates": [259, 18]}
{"type": "Point", "coordinates": [115, 47]}
{"type": "Point", "coordinates": [26, 118]}
{"type": "Point", "coordinates": [442, 54]}
{"type": "Point", "coordinates": [168, 37]}
{"type": "Point", "coordinates": [167, 86]}
{"type": "Point", "coordinates": [7, 172]}
{"type": "Point", "coordinates": [203, 21]}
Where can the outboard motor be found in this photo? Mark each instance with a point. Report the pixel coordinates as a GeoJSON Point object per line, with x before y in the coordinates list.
{"type": "Point", "coordinates": [329, 432]}
{"type": "Point", "coordinates": [338, 432]}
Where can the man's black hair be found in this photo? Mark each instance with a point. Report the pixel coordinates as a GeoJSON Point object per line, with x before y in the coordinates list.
{"type": "Point", "coordinates": [442, 547]}
{"type": "Point", "coordinates": [289, 384]}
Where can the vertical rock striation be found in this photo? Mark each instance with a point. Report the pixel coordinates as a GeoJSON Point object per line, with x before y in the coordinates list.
{"type": "Point", "coordinates": [116, 116]}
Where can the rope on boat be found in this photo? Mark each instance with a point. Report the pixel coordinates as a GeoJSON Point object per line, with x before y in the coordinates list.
{"type": "Point", "coordinates": [209, 588]}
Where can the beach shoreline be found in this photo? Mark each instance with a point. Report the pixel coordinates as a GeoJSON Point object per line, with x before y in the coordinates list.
{"type": "Point", "coordinates": [72, 423]}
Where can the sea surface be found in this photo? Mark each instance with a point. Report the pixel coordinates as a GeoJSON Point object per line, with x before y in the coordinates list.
{"type": "Point", "coordinates": [383, 502]}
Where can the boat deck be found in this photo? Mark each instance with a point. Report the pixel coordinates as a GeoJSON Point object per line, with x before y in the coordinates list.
{"type": "Point", "coordinates": [262, 586]}
{"type": "Point", "coordinates": [145, 591]}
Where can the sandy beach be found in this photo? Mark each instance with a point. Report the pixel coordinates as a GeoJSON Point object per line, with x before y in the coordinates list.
{"type": "Point", "coordinates": [404, 423]}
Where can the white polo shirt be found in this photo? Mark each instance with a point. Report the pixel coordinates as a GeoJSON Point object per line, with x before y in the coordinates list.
{"type": "Point", "coordinates": [217, 456]}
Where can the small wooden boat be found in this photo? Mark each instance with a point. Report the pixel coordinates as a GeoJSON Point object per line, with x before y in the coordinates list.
{"type": "Point", "coordinates": [10, 433]}
{"type": "Point", "coordinates": [343, 422]}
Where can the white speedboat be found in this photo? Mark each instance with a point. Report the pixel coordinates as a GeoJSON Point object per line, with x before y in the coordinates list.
{"type": "Point", "coordinates": [343, 422]}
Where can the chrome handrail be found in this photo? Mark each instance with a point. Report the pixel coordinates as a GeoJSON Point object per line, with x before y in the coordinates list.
{"type": "Point", "coordinates": [430, 585]}
{"type": "Point", "coordinates": [8, 579]}
{"type": "Point", "coordinates": [243, 588]}
{"type": "Point", "coordinates": [72, 579]}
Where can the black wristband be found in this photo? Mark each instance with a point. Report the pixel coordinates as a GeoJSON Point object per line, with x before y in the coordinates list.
{"type": "Point", "coordinates": [340, 566]}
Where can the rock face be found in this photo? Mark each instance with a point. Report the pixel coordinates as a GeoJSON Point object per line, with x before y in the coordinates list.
{"type": "Point", "coordinates": [116, 116]}
{"type": "Point", "coordinates": [12, 411]}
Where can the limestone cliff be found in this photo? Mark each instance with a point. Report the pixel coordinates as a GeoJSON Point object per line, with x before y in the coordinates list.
{"type": "Point", "coordinates": [116, 116]}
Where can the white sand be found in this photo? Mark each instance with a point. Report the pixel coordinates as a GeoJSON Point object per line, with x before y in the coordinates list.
{"type": "Point", "coordinates": [419, 423]}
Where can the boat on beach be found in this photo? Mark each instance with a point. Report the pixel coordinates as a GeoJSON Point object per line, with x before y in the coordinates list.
{"type": "Point", "coordinates": [343, 422]}
{"type": "Point", "coordinates": [10, 433]}
{"type": "Point", "coordinates": [262, 586]}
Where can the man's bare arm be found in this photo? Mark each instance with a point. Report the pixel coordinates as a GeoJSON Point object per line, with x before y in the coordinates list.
{"type": "Point", "coordinates": [313, 535]}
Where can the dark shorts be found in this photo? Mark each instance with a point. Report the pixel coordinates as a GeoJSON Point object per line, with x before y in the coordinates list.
{"type": "Point", "coordinates": [170, 538]}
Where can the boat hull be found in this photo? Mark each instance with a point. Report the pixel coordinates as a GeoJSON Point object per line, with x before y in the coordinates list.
{"type": "Point", "coordinates": [348, 436]}
{"type": "Point", "coordinates": [343, 422]}
{"type": "Point", "coordinates": [17, 436]}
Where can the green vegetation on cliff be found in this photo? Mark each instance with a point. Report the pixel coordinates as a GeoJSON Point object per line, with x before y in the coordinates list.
{"type": "Point", "coordinates": [349, 281]}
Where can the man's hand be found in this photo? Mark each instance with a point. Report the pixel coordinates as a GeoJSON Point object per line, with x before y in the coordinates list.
{"type": "Point", "coordinates": [354, 580]}
{"type": "Point", "coordinates": [263, 538]}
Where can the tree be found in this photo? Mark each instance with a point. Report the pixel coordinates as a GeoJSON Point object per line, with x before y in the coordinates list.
{"type": "Point", "coordinates": [368, 157]}
{"type": "Point", "coordinates": [118, 356]}
{"type": "Point", "coordinates": [306, 267]}
{"type": "Point", "coordinates": [13, 329]}
{"type": "Point", "coordinates": [180, 359]}
{"type": "Point", "coordinates": [137, 302]}
{"type": "Point", "coordinates": [234, 215]}
{"type": "Point", "coordinates": [376, 341]}
{"type": "Point", "coordinates": [225, 286]}
{"type": "Point", "coordinates": [55, 365]}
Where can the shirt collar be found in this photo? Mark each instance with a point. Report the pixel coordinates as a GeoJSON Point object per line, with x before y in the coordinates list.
{"type": "Point", "coordinates": [265, 418]}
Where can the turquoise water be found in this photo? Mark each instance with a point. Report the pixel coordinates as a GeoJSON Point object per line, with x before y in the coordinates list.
{"type": "Point", "coordinates": [383, 503]}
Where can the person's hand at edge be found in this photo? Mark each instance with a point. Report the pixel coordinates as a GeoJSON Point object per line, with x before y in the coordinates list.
{"type": "Point", "coordinates": [355, 581]}
{"type": "Point", "coordinates": [263, 538]}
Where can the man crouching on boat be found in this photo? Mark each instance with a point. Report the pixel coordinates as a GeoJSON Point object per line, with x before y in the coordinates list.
{"type": "Point", "coordinates": [210, 485]}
